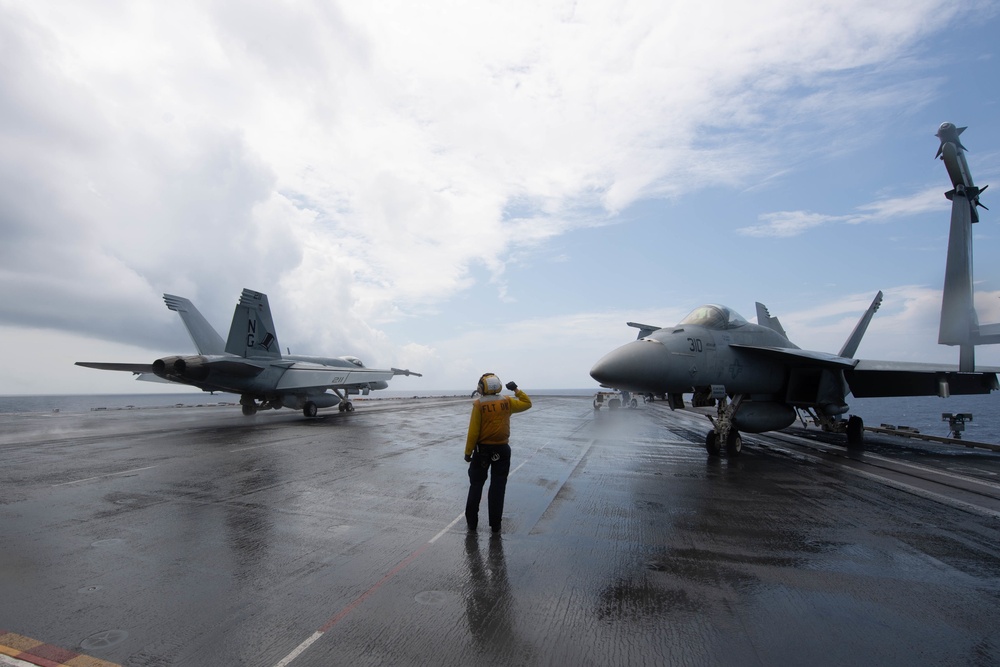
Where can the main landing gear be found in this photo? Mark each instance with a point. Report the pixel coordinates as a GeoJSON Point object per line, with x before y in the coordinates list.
{"type": "Point", "coordinates": [725, 432]}
{"type": "Point", "coordinates": [310, 408]}
{"type": "Point", "coordinates": [733, 441]}
{"type": "Point", "coordinates": [855, 432]}
{"type": "Point", "coordinates": [345, 404]}
{"type": "Point", "coordinates": [853, 427]}
{"type": "Point", "coordinates": [249, 405]}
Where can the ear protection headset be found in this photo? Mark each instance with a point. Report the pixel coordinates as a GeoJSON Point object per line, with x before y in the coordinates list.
{"type": "Point", "coordinates": [489, 384]}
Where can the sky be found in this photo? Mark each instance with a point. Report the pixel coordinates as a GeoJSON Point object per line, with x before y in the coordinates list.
{"type": "Point", "coordinates": [463, 187]}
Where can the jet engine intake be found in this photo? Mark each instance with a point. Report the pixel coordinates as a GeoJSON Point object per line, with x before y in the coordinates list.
{"type": "Point", "coordinates": [763, 416]}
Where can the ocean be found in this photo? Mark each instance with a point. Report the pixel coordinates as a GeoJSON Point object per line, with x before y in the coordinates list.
{"type": "Point", "coordinates": [93, 402]}
{"type": "Point", "coordinates": [922, 412]}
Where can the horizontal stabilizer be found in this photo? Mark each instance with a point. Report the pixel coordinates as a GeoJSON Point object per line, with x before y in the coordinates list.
{"type": "Point", "coordinates": [130, 368]}
{"type": "Point", "coordinates": [149, 377]}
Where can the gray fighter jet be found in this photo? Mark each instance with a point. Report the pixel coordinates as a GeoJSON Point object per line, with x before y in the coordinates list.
{"type": "Point", "coordinates": [759, 380]}
{"type": "Point", "coordinates": [250, 364]}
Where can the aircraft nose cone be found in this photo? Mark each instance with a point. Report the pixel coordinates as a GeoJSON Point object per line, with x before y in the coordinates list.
{"type": "Point", "coordinates": [637, 366]}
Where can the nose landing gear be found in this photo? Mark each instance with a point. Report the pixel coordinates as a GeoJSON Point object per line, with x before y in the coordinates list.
{"type": "Point", "coordinates": [725, 431]}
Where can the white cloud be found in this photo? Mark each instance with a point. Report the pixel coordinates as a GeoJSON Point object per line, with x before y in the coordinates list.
{"type": "Point", "coordinates": [789, 223]}
{"type": "Point", "coordinates": [793, 223]}
{"type": "Point", "coordinates": [361, 162]}
{"type": "Point", "coordinates": [905, 328]}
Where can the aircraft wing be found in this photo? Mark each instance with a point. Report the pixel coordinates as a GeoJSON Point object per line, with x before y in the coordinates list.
{"type": "Point", "coordinates": [872, 379]}
{"type": "Point", "coordinates": [797, 358]}
{"type": "Point", "coordinates": [131, 368]}
{"type": "Point", "coordinates": [305, 375]}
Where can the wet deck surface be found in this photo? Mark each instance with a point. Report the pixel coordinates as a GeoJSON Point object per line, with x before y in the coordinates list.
{"type": "Point", "coordinates": [195, 536]}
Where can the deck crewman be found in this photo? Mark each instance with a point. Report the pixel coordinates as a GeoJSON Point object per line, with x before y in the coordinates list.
{"type": "Point", "coordinates": [487, 447]}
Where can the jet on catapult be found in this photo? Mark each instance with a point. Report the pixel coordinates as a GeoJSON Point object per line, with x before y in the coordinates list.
{"type": "Point", "coordinates": [250, 364]}
{"type": "Point", "coordinates": [758, 379]}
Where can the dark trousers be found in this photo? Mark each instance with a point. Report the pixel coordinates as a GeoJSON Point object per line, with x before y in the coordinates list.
{"type": "Point", "coordinates": [482, 462]}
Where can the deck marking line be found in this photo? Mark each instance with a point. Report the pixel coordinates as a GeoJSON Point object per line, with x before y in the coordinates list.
{"type": "Point", "coordinates": [299, 649]}
{"type": "Point", "coordinates": [314, 637]}
{"type": "Point", "coordinates": [445, 530]}
{"type": "Point", "coordinates": [110, 474]}
{"type": "Point", "coordinates": [361, 598]}
{"type": "Point", "coordinates": [351, 607]}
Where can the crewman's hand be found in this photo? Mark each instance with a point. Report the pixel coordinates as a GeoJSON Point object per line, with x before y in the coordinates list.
{"type": "Point", "coordinates": [512, 385]}
{"type": "Point", "coordinates": [468, 458]}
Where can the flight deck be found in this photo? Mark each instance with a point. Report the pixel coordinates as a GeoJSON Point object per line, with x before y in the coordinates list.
{"type": "Point", "coordinates": [199, 536]}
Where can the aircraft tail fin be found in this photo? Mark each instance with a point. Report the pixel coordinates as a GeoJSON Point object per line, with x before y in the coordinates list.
{"type": "Point", "coordinates": [854, 340]}
{"type": "Point", "coordinates": [206, 339]}
{"type": "Point", "coordinates": [765, 320]}
{"type": "Point", "coordinates": [252, 331]}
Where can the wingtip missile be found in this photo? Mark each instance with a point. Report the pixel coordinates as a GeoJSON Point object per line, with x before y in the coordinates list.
{"type": "Point", "coordinates": [952, 152]}
{"type": "Point", "coordinates": [948, 134]}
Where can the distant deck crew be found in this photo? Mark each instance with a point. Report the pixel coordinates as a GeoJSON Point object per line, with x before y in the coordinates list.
{"type": "Point", "coordinates": [487, 447]}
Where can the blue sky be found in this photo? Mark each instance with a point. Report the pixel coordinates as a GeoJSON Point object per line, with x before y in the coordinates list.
{"type": "Point", "coordinates": [468, 187]}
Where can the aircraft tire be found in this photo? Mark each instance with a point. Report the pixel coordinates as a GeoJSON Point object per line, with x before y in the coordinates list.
{"type": "Point", "coordinates": [634, 404]}
{"type": "Point", "coordinates": [349, 407]}
{"type": "Point", "coordinates": [855, 432]}
{"type": "Point", "coordinates": [249, 410]}
{"type": "Point", "coordinates": [734, 443]}
{"type": "Point", "coordinates": [309, 409]}
{"type": "Point", "coordinates": [712, 443]}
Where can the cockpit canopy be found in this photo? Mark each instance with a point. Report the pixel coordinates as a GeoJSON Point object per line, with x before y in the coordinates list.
{"type": "Point", "coordinates": [713, 316]}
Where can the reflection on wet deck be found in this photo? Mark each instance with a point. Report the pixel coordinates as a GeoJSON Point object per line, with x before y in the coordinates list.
{"type": "Point", "coordinates": [201, 537]}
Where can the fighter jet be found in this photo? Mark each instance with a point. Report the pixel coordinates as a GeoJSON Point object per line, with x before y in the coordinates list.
{"type": "Point", "coordinates": [250, 364]}
{"type": "Point", "coordinates": [760, 381]}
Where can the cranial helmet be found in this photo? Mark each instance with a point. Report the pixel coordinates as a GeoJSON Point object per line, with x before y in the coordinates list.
{"type": "Point", "coordinates": [489, 384]}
